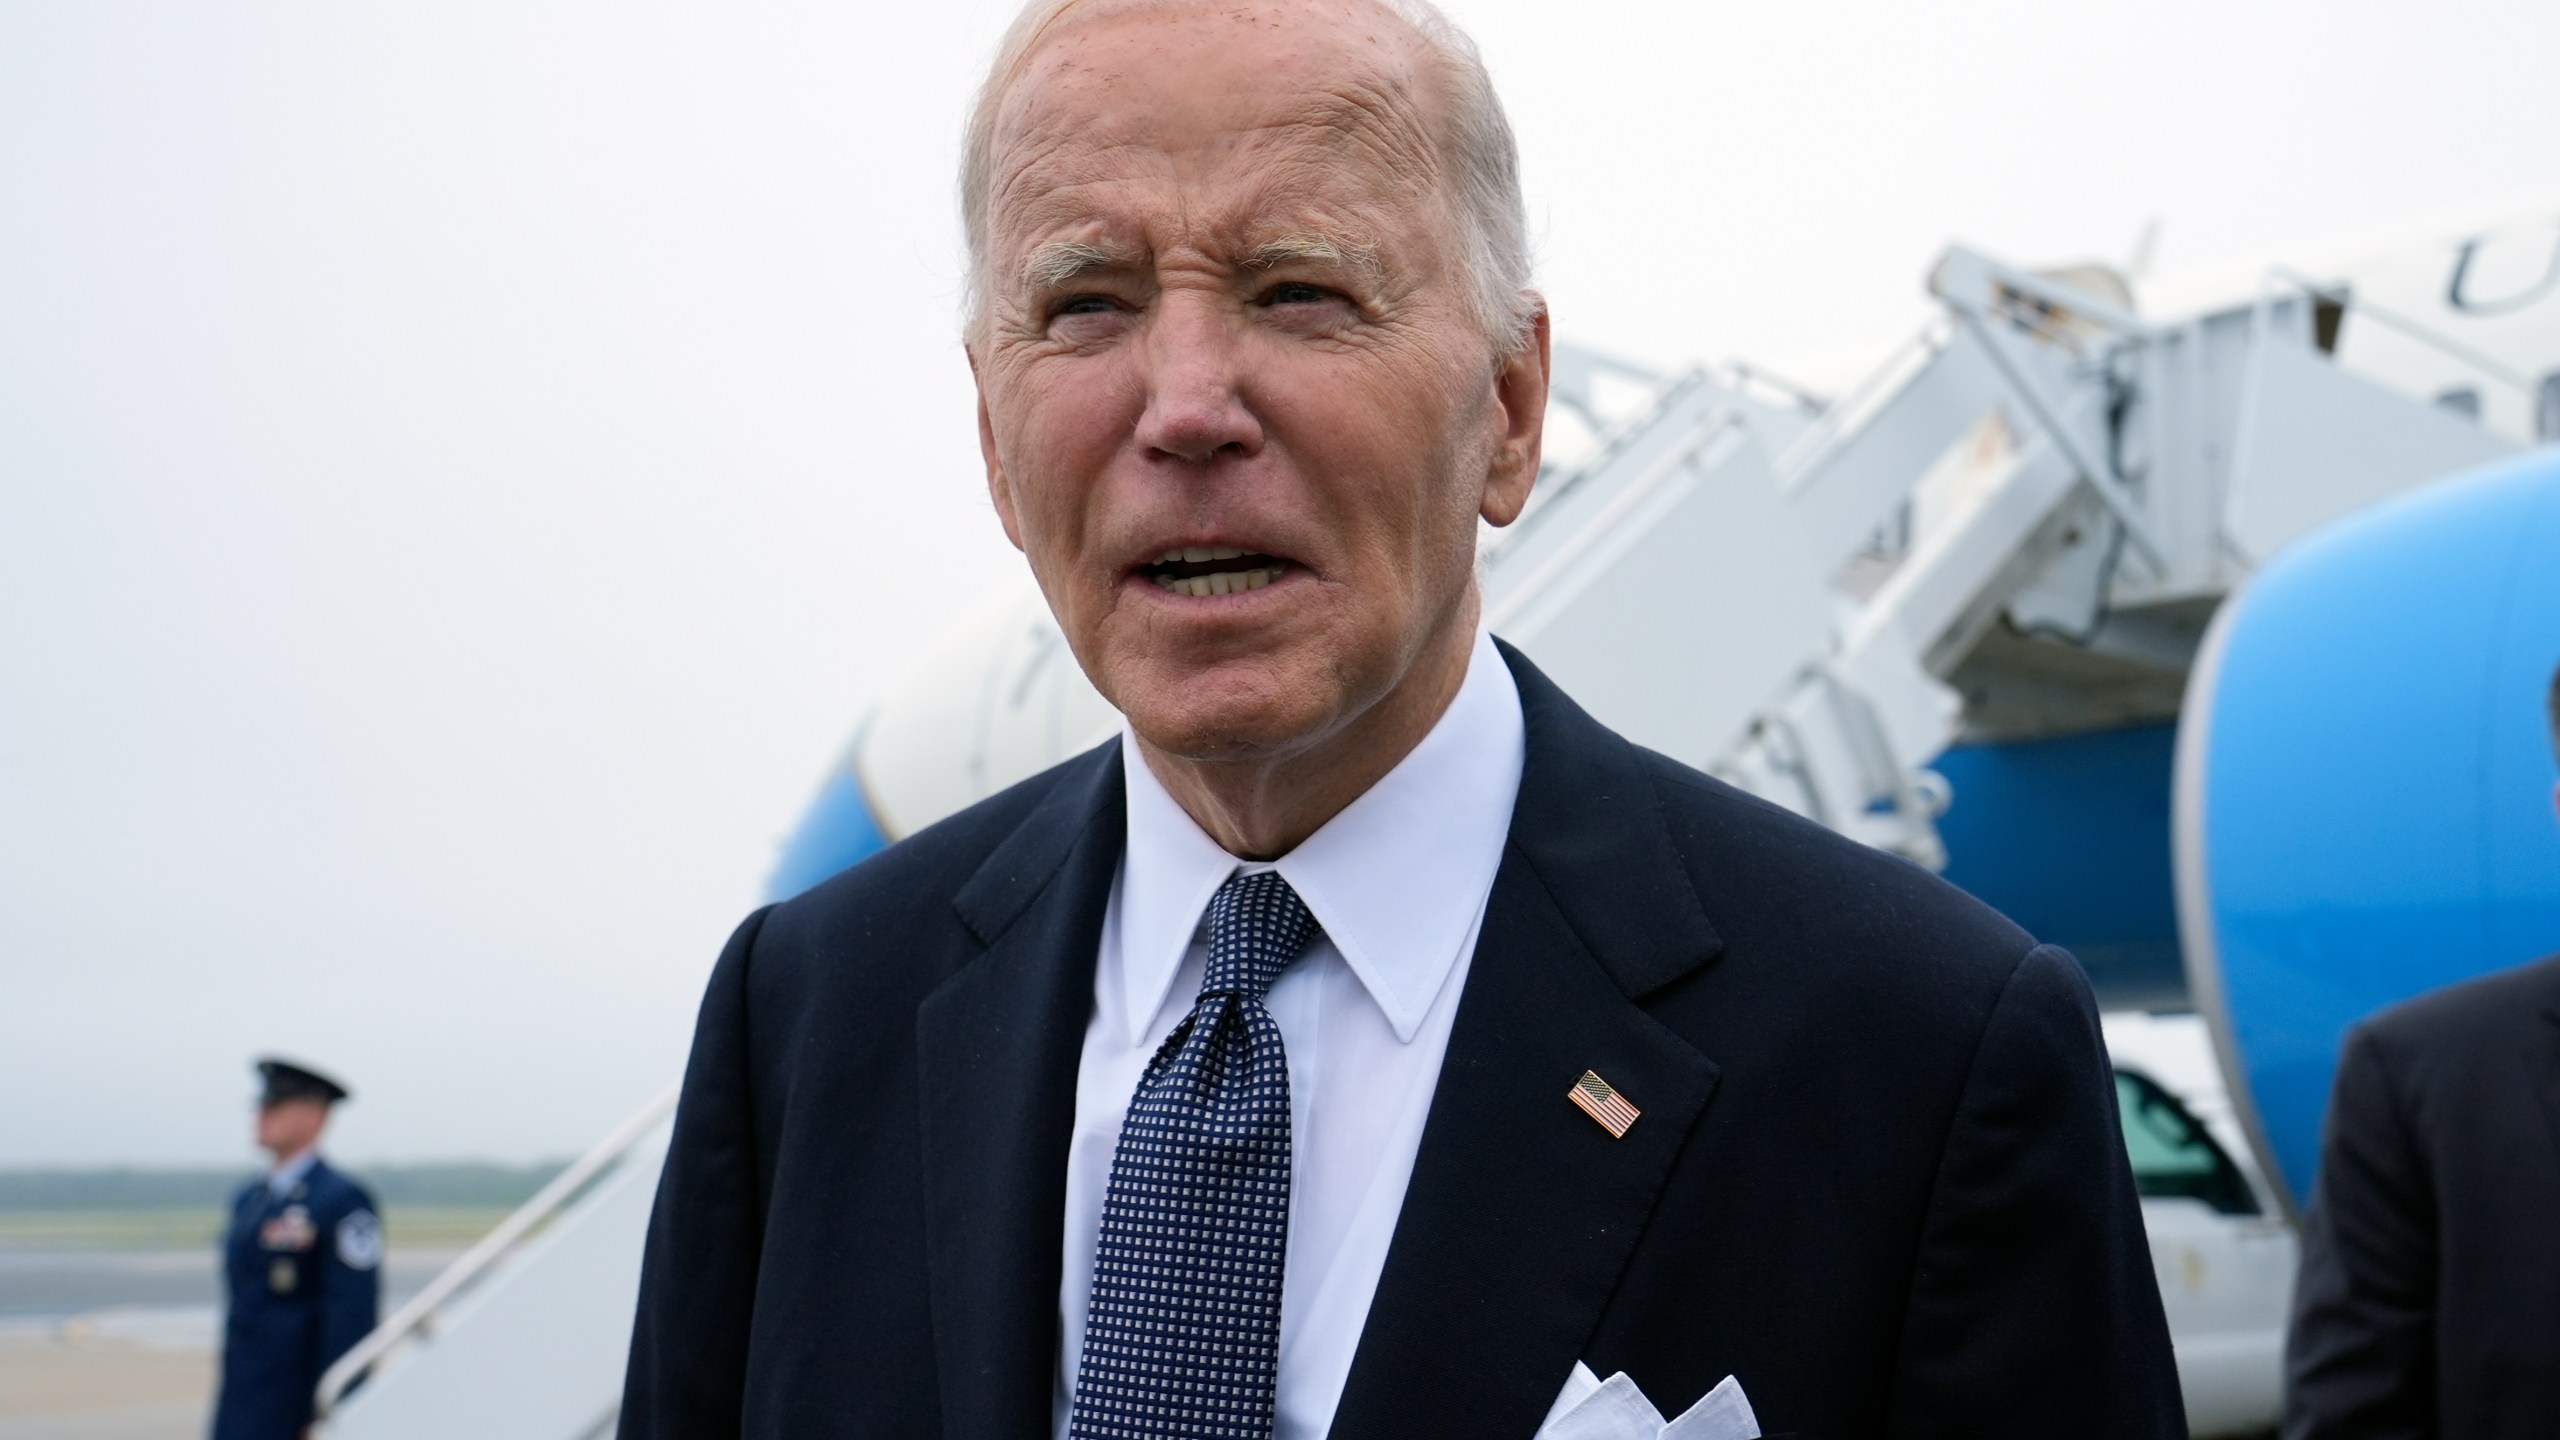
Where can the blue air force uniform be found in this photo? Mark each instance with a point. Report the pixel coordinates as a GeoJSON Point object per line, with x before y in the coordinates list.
{"type": "Point", "coordinates": [303, 1264]}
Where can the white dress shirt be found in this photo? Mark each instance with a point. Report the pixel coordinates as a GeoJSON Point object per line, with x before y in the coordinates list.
{"type": "Point", "coordinates": [1399, 882]}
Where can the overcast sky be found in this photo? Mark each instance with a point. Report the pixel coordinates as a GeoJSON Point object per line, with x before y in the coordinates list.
{"type": "Point", "coordinates": [464, 468]}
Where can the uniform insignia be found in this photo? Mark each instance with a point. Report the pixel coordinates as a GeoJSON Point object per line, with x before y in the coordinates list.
{"type": "Point", "coordinates": [281, 1276]}
{"type": "Point", "coordinates": [291, 1230]}
{"type": "Point", "coordinates": [360, 1241]}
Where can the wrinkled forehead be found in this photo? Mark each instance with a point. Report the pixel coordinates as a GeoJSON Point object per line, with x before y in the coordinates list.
{"type": "Point", "coordinates": [1318, 108]}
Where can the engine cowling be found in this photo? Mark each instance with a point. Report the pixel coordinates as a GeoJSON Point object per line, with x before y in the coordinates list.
{"type": "Point", "coordinates": [2363, 803]}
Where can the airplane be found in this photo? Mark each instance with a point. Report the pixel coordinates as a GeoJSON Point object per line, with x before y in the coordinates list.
{"type": "Point", "coordinates": [2194, 622]}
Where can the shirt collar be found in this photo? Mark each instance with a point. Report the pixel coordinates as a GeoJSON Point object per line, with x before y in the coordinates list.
{"type": "Point", "coordinates": [289, 1173]}
{"type": "Point", "coordinates": [1396, 880]}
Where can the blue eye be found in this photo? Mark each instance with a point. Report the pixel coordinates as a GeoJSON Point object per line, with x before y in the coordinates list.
{"type": "Point", "coordinates": [1082, 305]}
{"type": "Point", "coordinates": [1292, 292]}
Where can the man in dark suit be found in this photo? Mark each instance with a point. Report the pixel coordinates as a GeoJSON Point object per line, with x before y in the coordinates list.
{"type": "Point", "coordinates": [302, 1261]}
{"type": "Point", "coordinates": [2428, 1302]}
{"type": "Point", "coordinates": [1368, 1037]}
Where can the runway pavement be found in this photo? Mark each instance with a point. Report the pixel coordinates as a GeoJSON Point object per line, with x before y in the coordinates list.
{"type": "Point", "coordinates": [119, 1344]}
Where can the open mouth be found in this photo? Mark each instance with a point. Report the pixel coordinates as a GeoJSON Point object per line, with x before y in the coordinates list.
{"type": "Point", "coordinates": [1203, 570]}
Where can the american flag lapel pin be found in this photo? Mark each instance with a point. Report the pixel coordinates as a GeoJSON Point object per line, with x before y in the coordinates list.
{"type": "Point", "coordinates": [1598, 1099]}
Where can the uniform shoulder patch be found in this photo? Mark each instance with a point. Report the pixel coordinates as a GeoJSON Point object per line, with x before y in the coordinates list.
{"type": "Point", "coordinates": [360, 1240]}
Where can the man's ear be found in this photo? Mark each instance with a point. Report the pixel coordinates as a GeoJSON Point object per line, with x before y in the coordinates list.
{"type": "Point", "coordinates": [997, 490]}
{"type": "Point", "coordinates": [1520, 399]}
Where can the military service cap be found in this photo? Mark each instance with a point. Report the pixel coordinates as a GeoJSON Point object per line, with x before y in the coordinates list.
{"type": "Point", "coordinates": [288, 1081]}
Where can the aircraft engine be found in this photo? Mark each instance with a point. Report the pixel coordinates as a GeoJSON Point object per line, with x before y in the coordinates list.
{"type": "Point", "coordinates": [2363, 796]}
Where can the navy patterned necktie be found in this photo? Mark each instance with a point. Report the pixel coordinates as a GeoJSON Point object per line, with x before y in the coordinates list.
{"type": "Point", "coordinates": [1182, 1338]}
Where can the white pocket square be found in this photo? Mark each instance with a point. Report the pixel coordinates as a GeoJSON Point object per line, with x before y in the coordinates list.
{"type": "Point", "coordinates": [1591, 1408]}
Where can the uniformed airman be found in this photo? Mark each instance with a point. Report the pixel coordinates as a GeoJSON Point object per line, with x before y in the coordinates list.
{"type": "Point", "coordinates": [303, 1261]}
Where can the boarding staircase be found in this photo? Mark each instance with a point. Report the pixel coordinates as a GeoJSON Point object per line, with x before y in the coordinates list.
{"type": "Point", "coordinates": [2017, 526]}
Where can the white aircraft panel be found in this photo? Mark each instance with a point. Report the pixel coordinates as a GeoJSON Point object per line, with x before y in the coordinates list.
{"type": "Point", "coordinates": [936, 718]}
{"type": "Point", "coordinates": [1696, 570]}
{"type": "Point", "coordinates": [2321, 442]}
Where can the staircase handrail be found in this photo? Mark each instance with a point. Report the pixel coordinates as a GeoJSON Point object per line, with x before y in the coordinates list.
{"type": "Point", "coordinates": [417, 1317]}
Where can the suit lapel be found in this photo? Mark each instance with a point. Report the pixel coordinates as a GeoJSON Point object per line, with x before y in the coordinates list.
{"type": "Point", "coordinates": [1522, 1210]}
{"type": "Point", "coordinates": [998, 1043]}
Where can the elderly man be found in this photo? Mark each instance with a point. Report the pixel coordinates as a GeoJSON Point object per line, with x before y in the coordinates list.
{"type": "Point", "coordinates": [1368, 1043]}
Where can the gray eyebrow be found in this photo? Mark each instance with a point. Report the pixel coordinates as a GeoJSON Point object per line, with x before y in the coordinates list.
{"type": "Point", "coordinates": [1318, 249]}
{"type": "Point", "coordinates": [1059, 261]}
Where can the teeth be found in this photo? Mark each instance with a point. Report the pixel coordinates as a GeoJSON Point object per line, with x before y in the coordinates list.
{"type": "Point", "coordinates": [1225, 552]}
{"type": "Point", "coordinates": [1223, 582]}
{"type": "Point", "coordinates": [1195, 553]}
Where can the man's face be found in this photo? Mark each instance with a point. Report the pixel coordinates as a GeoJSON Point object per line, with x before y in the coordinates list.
{"type": "Point", "coordinates": [1235, 406]}
{"type": "Point", "coordinates": [288, 1127]}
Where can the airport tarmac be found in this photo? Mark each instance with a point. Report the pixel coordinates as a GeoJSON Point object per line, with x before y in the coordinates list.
{"type": "Point", "coordinates": [119, 1344]}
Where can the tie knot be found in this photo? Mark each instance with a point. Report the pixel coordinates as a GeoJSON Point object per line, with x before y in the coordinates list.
{"type": "Point", "coordinates": [1257, 925]}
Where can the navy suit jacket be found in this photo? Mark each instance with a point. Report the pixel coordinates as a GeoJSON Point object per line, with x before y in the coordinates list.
{"type": "Point", "coordinates": [1878, 1174]}
{"type": "Point", "coordinates": [2429, 1298]}
{"type": "Point", "coordinates": [304, 1288]}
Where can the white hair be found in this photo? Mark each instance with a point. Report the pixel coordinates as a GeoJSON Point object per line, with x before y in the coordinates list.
{"type": "Point", "coordinates": [1482, 158]}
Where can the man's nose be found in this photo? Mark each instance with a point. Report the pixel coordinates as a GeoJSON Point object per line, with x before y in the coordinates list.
{"type": "Point", "coordinates": [1196, 408]}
